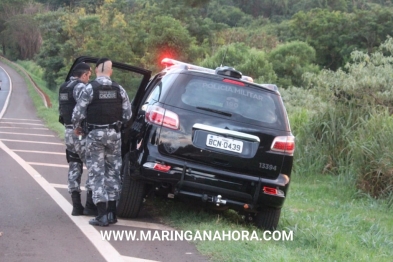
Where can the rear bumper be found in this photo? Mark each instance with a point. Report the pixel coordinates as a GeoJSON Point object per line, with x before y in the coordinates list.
{"type": "Point", "coordinates": [219, 187]}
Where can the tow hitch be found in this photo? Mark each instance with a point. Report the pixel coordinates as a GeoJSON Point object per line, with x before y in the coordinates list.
{"type": "Point", "coordinates": [214, 199]}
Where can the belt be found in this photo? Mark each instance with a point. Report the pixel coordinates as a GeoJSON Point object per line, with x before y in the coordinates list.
{"type": "Point", "coordinates": [110, 126]}
{"type": "Point", "coordinates": [69, 126]}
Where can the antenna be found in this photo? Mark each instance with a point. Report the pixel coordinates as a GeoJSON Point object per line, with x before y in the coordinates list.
{"type": "Point", "coordinates": [230, 41]}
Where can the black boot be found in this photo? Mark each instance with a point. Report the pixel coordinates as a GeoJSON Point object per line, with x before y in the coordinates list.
{"type": "Point", "coordinates": [90, 208]}
{"type": "Point", "coordinates": [77, 208]}
{"type": "Point", "coordinates": [112, 219]}
{"type": "Point", "coordinates": [102, 218]}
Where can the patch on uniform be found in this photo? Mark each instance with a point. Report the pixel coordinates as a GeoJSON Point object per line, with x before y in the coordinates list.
{"type": "Point", "coordinates": [63, 97]}
{"type": "Point", "coordinates": [107, 94]}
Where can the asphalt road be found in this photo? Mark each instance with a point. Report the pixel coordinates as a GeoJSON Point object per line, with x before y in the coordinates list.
{"type": "Point", "coordinates": [35, 220]}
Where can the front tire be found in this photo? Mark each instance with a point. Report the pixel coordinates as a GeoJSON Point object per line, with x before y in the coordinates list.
{"type": "Point", "coordinates": [268, 218]}
{"type": "Point", "coordinates": [132, 193]}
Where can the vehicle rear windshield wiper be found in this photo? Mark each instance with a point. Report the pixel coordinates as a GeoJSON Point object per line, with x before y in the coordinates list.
{"type": "Point", "coordinates": [215, 111]}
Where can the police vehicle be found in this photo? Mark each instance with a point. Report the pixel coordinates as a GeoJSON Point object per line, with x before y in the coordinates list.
{"type": "Point", "coordinates": [208, 134]}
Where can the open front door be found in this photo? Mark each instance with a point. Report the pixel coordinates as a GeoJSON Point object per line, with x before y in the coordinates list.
{"type": "Point", "coordinates": [133, 79]}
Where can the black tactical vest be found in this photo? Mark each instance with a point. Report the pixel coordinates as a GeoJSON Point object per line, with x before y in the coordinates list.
{"type": "Point", "coordinates": [106, 106]}
{"type": "Point", "coordinates": [67, 101]}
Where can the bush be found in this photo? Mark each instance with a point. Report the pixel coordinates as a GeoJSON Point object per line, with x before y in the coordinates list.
{"type": "Point", "coordinates": [350, 135]}
{"type": "Point", "coordinates": [372, 155]}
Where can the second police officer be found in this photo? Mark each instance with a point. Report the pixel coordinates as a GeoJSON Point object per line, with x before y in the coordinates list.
{"type": "Point", "coordinates": [75, 146]}
{"type": "Point", "coordinates": [105, 106]}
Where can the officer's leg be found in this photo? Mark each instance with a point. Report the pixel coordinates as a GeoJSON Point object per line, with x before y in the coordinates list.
{"type": "Point", "coordinates": [112, 176]}
{"type": "Point", "coordinates": [96, 166]}
{"type": "Point", "coordinates": [74, 173]}
{"type": "Point", "coordinates": [90, 208]}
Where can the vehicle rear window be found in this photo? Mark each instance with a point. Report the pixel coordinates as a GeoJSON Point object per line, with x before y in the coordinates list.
{"type": "Point", "coordinates": [244, 103]}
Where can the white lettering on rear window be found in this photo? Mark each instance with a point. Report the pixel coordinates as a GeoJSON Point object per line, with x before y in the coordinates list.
{"type": "Point", "coordinates": [232, 89]}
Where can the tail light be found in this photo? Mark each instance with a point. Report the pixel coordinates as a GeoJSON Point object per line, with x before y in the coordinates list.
{"type": "Point", "coordinates": [273, 191]}
{"type": "Point", "coordinates": [270, 190]}
{"type": "Point", "coordinates": [285, 144]}
{"type": "Point", "coordinates": [157, 166]}
{"type": "Point", "coordinates": [160, 116]}
{"type": "Point", "coordinates": [161, 167]}
{"type": "Point", "coordinates": [233, 82]}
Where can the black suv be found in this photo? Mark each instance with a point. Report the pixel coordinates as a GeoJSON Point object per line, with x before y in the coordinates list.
{"type": "Point", "coordinates": [211, 135]}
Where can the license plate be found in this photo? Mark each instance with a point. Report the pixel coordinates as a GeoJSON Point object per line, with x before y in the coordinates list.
{"type": "Point", "coordinates": [224, 143]}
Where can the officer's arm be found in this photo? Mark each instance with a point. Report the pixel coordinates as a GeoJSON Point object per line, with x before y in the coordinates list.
{"type": "Point", "coordinates": [78, 91]}
{"type": "Point", "coordinates": [126, 105]}
{"type": "Point", "coordinates": [80, 109]}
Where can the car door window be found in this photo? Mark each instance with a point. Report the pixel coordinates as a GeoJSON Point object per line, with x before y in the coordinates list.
{"type": "Point", "coordinates": [153, 97]}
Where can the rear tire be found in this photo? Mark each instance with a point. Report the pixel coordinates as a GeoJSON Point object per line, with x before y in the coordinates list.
{"type": "Point", "coordinates": [132, 193]}
{"type": "Point", "coordinates": [268, 218]}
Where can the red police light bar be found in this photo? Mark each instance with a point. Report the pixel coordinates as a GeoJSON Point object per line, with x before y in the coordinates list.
{"type": "Point", "coordinates": [168, 62]}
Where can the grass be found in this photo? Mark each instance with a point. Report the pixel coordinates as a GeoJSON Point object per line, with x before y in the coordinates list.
{"type": "Point", "coordinates": [329, 219]}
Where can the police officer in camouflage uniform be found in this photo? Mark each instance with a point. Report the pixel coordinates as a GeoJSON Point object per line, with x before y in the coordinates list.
{"type": "Point", "coordinates": [75, 146]}
{"type": "Point", "coordinates": [105, 106]}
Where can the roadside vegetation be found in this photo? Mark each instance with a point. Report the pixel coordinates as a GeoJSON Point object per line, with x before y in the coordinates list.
{"type": "Point", "coordinates": [331, 218]}
{"type": "Point", "coordinates": [333, 63]}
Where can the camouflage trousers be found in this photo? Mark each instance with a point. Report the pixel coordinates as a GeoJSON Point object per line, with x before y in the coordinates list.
{"type": "Point", "coordinates": [103, 160]}
{"type": "Point", "coordinates": [75, 169]}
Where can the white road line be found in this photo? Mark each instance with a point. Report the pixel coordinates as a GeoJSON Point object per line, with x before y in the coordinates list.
{"type": "Point", "coordinates": [103, 246]}
{"type": "Point", "coordinates": [25, 134]}
{"type": "Point", "coordinates": [19, 128]}
{"type": "Point", "coordinates": [52, 165]}
{"type": "Point", "coordinates": [15, 123]}
{"type": "Point", "coordinates": [34, 142]}
{"type": "Point", "coordinates": [134, 259]}
{"type": "Point", "coordinates": [21, 119]}
{"type": "Point", "coordinates": [65, 186]}
{"type": "Point", "coordinates": [8, 96]}
{"type": "Point", "coordinates": [38, 152]}
{"type": "Point", "coordinates": [46, 164]}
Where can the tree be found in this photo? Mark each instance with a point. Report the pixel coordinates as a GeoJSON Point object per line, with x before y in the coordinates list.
{"type": "Point", "coordinates": [24, 32]}
{"type": "Point", "coordinates": [50, 57]}
{"type": "Point", "coordinates": [325, 31]}
{"type": "Point", "coordinates": [227, 14]}
{"type": "Point", "coordinates": [370, 28]}
{"type": "Point", "coordinates": [167, 38]}
{"type": "Point", "coordinates": [249, 61]}
{"type": "Point", "coordinates": [19, 31]}
{"type": "Point", "coordinates": [291, 60]}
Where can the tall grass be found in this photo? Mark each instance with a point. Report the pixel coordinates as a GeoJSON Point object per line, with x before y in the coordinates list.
{"type": "Point", "coordinates": [353, 143]}
{"type": "Point", "coordinates": [372, 147]}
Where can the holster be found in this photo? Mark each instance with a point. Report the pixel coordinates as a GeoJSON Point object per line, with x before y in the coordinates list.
{"type": "Point", "coordinates": [61, 120]}
{"type": "Point", "coordinates": [72, 157]}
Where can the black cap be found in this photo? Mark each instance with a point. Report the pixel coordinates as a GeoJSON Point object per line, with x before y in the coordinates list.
{"type": "Point", "coordinates": [81, 67]}
{"type": "Point", "coordinates": [102, 60]}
